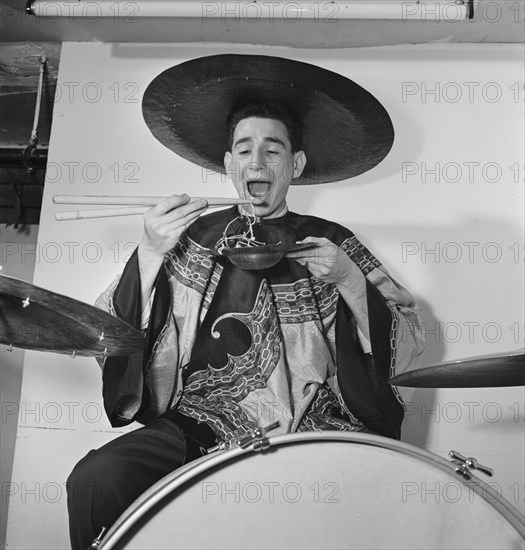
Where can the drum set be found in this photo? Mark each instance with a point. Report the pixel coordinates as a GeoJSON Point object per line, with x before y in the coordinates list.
{"type": "Point", "coordinates": [302, 490]}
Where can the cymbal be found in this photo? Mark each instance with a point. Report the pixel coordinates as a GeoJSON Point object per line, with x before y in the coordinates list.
{"type": "Point", "coordinates": [38, 319]}
{"type": "Point", "coordinates": [479, 372]}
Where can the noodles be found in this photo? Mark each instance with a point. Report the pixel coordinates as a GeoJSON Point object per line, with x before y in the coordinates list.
{"type": "Point", "coordinates": [244, 240]}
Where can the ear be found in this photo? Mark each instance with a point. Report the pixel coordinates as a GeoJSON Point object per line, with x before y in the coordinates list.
{"type": "Point", "coordinates": [227, 161]}
{"type": "Point", "coordinates": [299, 162]}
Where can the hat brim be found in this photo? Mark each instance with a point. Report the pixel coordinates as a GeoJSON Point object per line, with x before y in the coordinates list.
{"type": "Point", "coordinates": [346, 130]}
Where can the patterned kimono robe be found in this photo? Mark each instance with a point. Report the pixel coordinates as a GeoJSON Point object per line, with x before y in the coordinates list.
{"type": "Point", "coordinates": [238, 349]}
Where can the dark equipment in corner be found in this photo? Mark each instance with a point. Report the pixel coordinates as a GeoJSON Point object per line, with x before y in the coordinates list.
{"type": "Point", "coordinates": [22, 162]}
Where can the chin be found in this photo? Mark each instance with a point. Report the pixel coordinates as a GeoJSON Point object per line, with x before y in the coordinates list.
{"type": "Point", "coordinates": [265, 212]}
{"type": "Point", "coordinates": [261, 210]}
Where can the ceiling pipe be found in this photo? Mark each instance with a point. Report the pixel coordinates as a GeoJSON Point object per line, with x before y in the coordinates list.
{"type": "Point", "coordinates": [251, 11]}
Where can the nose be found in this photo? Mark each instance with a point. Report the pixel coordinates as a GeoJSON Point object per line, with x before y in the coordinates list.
{"type": "Point", "coordinates": [255, 165]}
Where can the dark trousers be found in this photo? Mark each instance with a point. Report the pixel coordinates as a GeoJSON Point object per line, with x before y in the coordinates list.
{"type": "Point", "coordinates": [107, 480]}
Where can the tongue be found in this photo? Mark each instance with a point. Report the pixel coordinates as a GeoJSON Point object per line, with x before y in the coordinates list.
{"type": "Point", "coordinates": [258, 189]}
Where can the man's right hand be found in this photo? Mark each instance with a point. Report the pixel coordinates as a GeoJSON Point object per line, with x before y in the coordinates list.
{"type": "Point", "coordinates": [163, 226]}
{"type": "Point", "coordinates": [165, 223]}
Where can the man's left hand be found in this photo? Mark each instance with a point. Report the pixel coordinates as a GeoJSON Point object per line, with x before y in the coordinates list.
{"type": "Point", "coordinates": [330, 264]}
{"type": "Point", "coordinates": [327, 262]}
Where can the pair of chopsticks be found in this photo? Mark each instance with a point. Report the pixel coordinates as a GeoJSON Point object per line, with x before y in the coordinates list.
{"type": "Point", "coordinates": [129, 206]}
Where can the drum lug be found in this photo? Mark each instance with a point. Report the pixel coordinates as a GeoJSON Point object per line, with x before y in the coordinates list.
{"type": "Point", "coordinates": [463, 471]}
{"type": "Point", "coordinates": [465, 465]}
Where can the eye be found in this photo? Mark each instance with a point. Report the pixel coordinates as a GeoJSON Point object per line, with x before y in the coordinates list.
{"type": "Point", "coordinates": [272, 152]}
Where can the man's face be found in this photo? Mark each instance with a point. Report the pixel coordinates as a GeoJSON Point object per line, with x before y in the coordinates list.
{"type": "Point", "coordinates": [261, 164]}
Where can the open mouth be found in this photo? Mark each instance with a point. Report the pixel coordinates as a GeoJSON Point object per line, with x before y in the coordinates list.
{"type": "Point", "coordinates": [258, 189]}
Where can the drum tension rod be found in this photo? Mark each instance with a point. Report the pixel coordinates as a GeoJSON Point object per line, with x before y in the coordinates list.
{"type": "Point", "coordinates": [96, 543]}
{"type": "Point", "coordinates": [257, 438]}
{"type": "Point", "coordinates": [465, 465]}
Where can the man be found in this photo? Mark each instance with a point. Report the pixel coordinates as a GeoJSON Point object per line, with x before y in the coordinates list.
{"type": "Point", "coordinates": [309, 342]}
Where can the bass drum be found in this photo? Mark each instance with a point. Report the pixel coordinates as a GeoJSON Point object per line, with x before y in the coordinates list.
{"type": "Point", "coordinates": [319, 490]}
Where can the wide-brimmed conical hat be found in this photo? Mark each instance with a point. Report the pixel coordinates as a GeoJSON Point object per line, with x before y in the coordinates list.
{"type": "Point", "coordinates": [346, 130]}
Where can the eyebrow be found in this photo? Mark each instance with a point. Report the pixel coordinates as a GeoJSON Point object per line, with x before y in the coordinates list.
{"type": "Point", "coordinates": [267, 139]}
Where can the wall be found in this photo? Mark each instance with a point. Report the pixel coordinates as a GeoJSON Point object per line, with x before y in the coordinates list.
{"type": "Point", "coordinates": [452, 236]}
{"type": "Point", "coordinates": [17, 259]}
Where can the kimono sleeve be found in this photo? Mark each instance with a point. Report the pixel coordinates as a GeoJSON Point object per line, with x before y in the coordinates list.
{"type": "Point", "coordinates": [132, 390]}
{"type": "Point", "coordinates": [364, 367]}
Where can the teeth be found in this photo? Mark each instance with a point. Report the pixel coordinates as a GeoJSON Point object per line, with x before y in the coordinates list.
{"type": "Point", "coordinates": [258, 189]}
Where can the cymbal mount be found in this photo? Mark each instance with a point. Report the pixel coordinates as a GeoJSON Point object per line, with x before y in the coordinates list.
{"type": "Point", "coordinates": [257, 438]}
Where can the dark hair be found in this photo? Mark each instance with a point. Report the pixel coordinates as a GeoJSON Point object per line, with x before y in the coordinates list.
{"type": "Point", "coordinates": [266, 109]}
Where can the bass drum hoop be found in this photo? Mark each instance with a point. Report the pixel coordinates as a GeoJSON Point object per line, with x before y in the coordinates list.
{"type": "Point", "coordinates": [176, 479]}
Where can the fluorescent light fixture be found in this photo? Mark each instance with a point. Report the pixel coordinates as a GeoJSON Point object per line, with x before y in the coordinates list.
{"type": "Point", "coordinates": [255, 10]}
